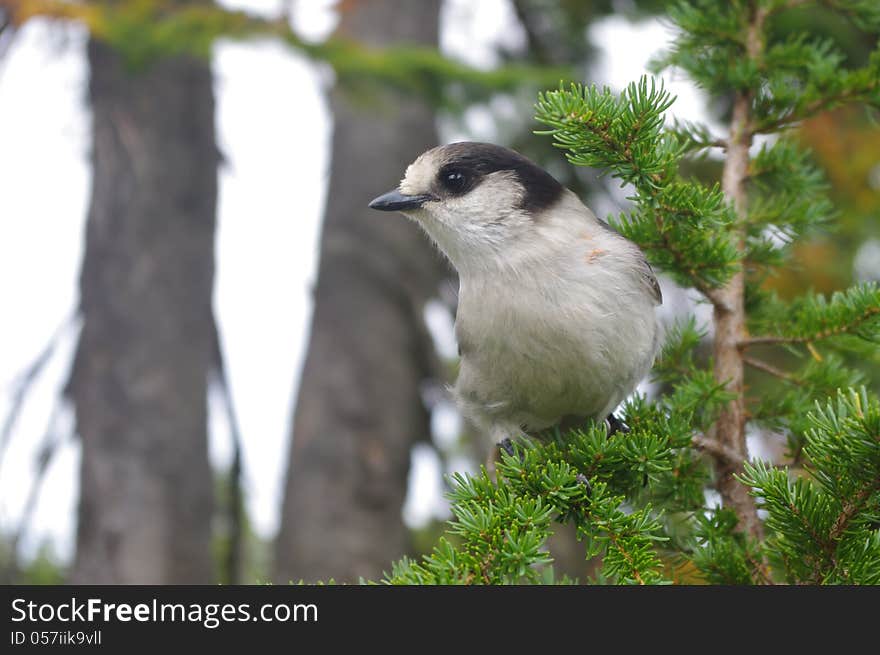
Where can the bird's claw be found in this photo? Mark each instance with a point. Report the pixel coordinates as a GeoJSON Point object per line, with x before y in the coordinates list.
{"type": "Point", "coordinates": [507, 446]}
{"type": "Point", "coordinates": [580, 477]}
{"type": "Point", "coordinates": [615, 425]}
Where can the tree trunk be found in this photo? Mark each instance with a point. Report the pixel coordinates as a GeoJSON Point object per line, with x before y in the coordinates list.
{"type": "Point", "coordinates": [140, 378]}
{"type": "Point", "coordinates": [729, 308]}
{"type": "Point", "coordinates": [359, 409]}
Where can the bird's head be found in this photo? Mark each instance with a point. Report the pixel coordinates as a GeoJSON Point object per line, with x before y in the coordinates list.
{"type": "Point", "coordinates": [476, 200]}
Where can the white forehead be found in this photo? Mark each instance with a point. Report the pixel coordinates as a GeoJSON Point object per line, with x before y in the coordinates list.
{"type": "Point", "coordinates": [420, 174]}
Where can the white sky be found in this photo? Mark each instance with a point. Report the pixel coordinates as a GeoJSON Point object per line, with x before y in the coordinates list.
{"type": "Point", "coordinates": [275, 138]}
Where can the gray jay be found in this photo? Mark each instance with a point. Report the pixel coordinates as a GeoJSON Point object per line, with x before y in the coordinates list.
{"type": "Point", "coordinates": [556, 315]}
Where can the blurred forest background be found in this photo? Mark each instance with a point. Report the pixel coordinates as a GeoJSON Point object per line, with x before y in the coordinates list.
{"type": "Point", "coordinates": [201, 247]}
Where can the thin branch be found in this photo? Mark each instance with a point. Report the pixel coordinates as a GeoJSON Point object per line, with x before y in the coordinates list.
{"type": "Point", "coordinates": [824, 334]}
{"type": "Point", "coordinates": [850, 508]}
{"type": "Point", "coordinates": [615, 541]}
{"type": "Point", "coordinates": [718, 450]}
{"type": "Point", "coordinates": [772, 370]}
{"type": "Point", "coordinates": [234, 556]}
{"type": "Point", "coordinates": [26, 379]}
{"type": "Point", "coordinates": [768, 340]}
{"type": "Point", "coordinates": [828, 546]}
{"type": "Point", "coordinates": [698, 283]}
{"type": "Point", "coordinates": [822, 104]}
{"type": "Point", "coordinates": [52, 439]}
{"type": "Point", "coordinates": [535, 44]}
{"type": "Point", "coordinates": [791, 4]}
{"type": "Point", "coordinates": [761, 568]}
{"type": "Point", "coordinates": [348, 57]}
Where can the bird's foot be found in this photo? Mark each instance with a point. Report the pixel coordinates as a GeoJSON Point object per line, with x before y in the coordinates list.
{"type": "Point", "coordinates": [615, 425]}
{"type": "Point", "coordinates": [507, 446]}
{"type": "Point", "coordinates": [580, 477]}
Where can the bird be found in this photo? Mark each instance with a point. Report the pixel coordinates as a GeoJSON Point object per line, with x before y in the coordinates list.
{"type": "Point", "coordinates": [556, 320]}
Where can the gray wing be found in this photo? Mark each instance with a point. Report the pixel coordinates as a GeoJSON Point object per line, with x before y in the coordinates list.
{"type": "Point", "coordinates": [651, 282]}
{"type": "Point", "coordinates": [646, 272]}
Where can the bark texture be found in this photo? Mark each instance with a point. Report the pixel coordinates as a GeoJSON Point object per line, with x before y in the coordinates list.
{"type": "Point", "coordinates": [140, 376]}
{"type": "Point", "coordinates": [359, 408]}
{"type": "Point", "coordinates": [729, 309]}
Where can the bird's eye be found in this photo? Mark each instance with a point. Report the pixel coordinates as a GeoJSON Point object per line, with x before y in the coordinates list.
{"type": "Point", "coordinates": [454, 181]}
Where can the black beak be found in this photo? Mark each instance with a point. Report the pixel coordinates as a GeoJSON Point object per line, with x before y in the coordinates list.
{"type": "Point", "coordinates": [396, 201]}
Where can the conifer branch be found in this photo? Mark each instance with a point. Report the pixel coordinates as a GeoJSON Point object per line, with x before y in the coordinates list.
{"type": "Point", "coordinates": [616, 542]}
{"type": "Point", "coordinates": [769, 340]}
{"type": "Point", "coordinates": [768, 368]}
{"type": "Point", "coordinates": [825, 103]}
{"type": "Point", "coordinates": [850, 508]}
{"type": "Point", "coordinates": [718, 450]}
{"type": "Point", "coordinates": [854, 312]}
{"type": "Point", "coordinates": [761, 569]}
{"type": "Point", "coordinates": [820, 524]}
{"type": "Point", "coordinates": [682, 226]}
{"type": "Point", "coordinates": [146, 32]}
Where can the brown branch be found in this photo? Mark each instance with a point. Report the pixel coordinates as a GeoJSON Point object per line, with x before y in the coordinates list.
{"type": "Point", "coordinates": [718, 142]}
{"type": "Point", "coordinates": [791, 4]}
{"type": "Point", "coordinates": [827, 547]}
{"type": "Point", "coordinates": [718, 450]}
{"type": "Point", "coordinates": [849, 510]}
{"type": "Point", "coordinates": [535, 43]}
{"type": "Point", "coordinates": [824, 334]}
{"type": "Point", "coordinates": [768, 340]}
{"type": "Point", "coordinates": [822, 104]}
{"type": "Point", "coordinates": [26, 379]}
{"type": "Point", "coordinates": [52, 439]}
{"type": "Point", "coordinates": [769, 368]}
{"type": "Point", "coordinates": [626, 555]}
{"type": "Point", "coordinates": [680, 260]}
{"type": "Point", "coordinates": [235, 554]}
{"type": "Point", "coordinates": [761, 568]}
{"type": "Point", "coordinates": [729, 303]}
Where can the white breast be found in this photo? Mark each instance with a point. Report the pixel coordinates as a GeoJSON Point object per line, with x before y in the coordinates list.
{"type": "Point", "coordinates": [569, 332]}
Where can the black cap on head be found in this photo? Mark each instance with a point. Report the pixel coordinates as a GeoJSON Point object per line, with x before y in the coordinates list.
{"type": "Point", "coordinates": [475, 160]}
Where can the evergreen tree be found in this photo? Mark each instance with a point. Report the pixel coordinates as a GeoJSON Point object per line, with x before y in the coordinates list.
{"type": "Point", "coordinates": [638, 498]}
